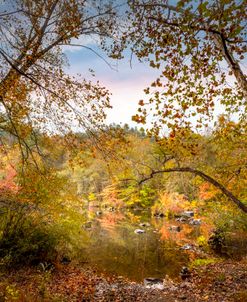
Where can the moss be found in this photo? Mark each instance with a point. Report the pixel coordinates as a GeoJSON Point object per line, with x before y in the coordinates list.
{"type": "Point", "coordinates": [203, 261]}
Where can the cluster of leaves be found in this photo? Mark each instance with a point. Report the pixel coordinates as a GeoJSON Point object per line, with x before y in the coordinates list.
{"type": "Point", "coordinates": [136, 173]}
{"type": "Point", "coordinates": [192, 43]}
{"type": "Point", "coordinates": [35, 90]}
{"type": "Point", "coordinates": [41, 216]}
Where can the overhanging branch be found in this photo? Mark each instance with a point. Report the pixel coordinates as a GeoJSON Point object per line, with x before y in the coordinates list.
{"type": "Point", "coordinates": [204, 176]}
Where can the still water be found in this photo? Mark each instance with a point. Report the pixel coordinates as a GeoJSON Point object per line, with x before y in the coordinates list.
{"type": "Point", "coordinates": [114, 246]}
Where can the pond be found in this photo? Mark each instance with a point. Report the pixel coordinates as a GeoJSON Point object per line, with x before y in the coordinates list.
{"type": "Point", "coordinates": [116, 247]}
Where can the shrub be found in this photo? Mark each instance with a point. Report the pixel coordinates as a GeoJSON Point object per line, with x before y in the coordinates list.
{"type": "Point", "coordinates": [201, 262]}
{"type": "Point", "coordinates": [26, 240]}
{"type": "Point", "coordinates": [170, 204]}
{"type": "Point", "coordinates": [41, 222]}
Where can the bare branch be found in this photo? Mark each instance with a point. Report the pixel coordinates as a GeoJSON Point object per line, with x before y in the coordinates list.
{"type": "Point", "coordinates": [92, 50]}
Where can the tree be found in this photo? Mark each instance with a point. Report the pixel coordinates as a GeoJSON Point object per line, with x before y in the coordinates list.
{"type": "Point", "coordinates": [199, 47]}
{"type": "Point", "coordinates": [35, 91]}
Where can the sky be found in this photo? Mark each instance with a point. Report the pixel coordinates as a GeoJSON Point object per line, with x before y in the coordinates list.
{"type": "Point", "coordinates": [124, 80]}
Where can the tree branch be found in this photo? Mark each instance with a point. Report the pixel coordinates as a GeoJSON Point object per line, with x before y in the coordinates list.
{"type": "Point", "coordinates": [204, 176]}
{"type": "Point", "coordinates": [219, 38]}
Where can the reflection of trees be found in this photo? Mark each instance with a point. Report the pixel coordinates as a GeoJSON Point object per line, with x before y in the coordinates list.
{"type": "Point", "coordinates": [118, 249]}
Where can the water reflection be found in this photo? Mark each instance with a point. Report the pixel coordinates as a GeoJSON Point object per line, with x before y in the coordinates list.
{"type": "Point", "coordinates": [115, 247]}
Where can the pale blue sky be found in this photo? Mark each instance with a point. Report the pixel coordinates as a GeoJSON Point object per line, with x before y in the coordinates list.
{"type": "Point", "coordinates": [126, 83]}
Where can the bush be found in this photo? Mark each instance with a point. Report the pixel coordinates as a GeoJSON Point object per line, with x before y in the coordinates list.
{"type": "Point", "coordinates": [28, 242]}
{"type": "Point", "coordinates": [201, 262]}
{"type": "Point", "coordinates": [228, 219]}
{"type": "Point", "coordinates": [170, 204]}
{"type": "Point", "coordinates": [229, 237]}
{"type": "Point", "coordinates": [38, 235]}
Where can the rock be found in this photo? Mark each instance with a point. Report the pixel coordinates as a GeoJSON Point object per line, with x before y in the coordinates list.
{"type": "Point", "coordinates": [98, 213]}
{"type": "Point", "coordinates": [188, 214]}
{"type": "Point", "coordinates": [185, 273]}
{"type": "Point", "coordinates": [175, 228]}
{"type": "Point", "coordinates": [187, 247]}
{"type": "Point", "coordinates": [144, 224]}
{"type": "Point", "coordinates": [154, 283]}
{"type": "Point", "coordinates": [139, 231]}
{"type": "Point", "coordinates": [195, 221]}
{"type": "Point", "coordinates": [159, 215]}
{"type": "Point", "coordinates": [181, 219]}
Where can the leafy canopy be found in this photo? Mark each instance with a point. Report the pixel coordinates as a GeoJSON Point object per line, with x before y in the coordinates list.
{"type": "Point", "coordinates": [199, 47]}
{"type": "Point", "coordinates": [35, 91]}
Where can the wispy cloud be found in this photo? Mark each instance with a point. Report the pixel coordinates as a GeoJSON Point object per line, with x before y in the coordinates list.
{"type": "Point", "coordinates": [84, 40]}
{"type": "Point", "coordinates": [125, 83]}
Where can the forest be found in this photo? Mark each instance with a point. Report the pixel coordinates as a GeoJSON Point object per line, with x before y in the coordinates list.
{"type": "Point", "coordinates": [151, 210]}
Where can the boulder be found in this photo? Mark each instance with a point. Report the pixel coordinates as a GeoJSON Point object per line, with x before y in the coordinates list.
{"type": "Point", "coordinates": [159, 215]}
{"type": "Point", "coordinates": [188, 214]}
{"type": "Point", "coordinates": [98, 213]}
{"type": "Point", "coordinates": [185, 273]}
{"type": "Point", "coordinates": [144, 224]}
{"type": "Point", "coordinates": [139, 231]}
{"type": "Point", "coordinates": [154, 283]}
{"type": "Point", "coordinates": [195, 221]}
{"type": "Point", "coordinates": [181, 219]}
{"type": "Point", "coordinates": [187, 247]}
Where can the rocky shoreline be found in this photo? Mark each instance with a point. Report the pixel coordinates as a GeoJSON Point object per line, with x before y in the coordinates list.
{"type": "Point", "coordinates": [220, 282]}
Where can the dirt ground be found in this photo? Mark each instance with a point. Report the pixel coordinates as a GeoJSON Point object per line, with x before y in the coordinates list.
{"type": "Point", "coordinates": [221, 282]}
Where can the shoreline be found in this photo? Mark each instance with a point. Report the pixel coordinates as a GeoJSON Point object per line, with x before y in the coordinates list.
{"type": "Point", "coordinates": [224, 281]}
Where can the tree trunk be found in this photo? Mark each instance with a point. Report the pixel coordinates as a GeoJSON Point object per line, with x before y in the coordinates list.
{"type": "Point", "coordinates": [233, 64]}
